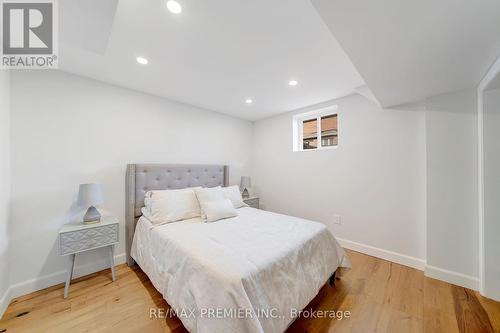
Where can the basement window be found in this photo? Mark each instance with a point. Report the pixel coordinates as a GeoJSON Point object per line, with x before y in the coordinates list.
{"type": "Point", "coordinates": [316, 130]}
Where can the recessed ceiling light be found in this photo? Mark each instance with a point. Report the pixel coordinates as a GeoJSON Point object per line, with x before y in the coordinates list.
{"type": "Point", "coordinates": [174, 7]}
{"type": "Point", "coordinates": [292, 83]}
{"type": "Point", "coordinates": [248, 101]}
{"type": "Point", "coordinates": [142, 61]}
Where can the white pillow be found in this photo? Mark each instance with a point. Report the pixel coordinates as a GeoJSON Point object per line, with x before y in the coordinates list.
{"type": "Point", "coordinates": [220, 209]}
{"type": "Point", "coordinates": [233, 193]}
{"type": "Point", "coordinates": [208, 194]}
{"type": "Point", "coordinates": [171, 205]}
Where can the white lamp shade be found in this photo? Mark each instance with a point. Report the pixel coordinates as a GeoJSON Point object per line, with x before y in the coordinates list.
{"type": "Point", "coordinates": [90, 195]}
{"type": "Point", "coordinates": [246, 182]}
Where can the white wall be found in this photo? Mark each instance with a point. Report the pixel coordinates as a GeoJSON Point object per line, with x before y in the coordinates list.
{"type": "Point", "coordinates": [68, 130]}
{"type": "Point", "coordinates": [375, 179]}
{"type": "Point", "coordinates": [452, 223]}
{"type": "Point", "coordinates": [491, 150]}
{"type": "Point", "coordinates": [4, 182]}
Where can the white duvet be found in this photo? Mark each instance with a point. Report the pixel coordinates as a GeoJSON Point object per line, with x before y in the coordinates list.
{"type": "Point", "coordinates": [249, 273]}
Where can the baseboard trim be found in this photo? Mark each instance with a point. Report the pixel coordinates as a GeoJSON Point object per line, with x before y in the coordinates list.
{"type": "Point", "coordinates": [452, 277]}
{"type": "Point", "coordinates": [42, 282]}
{"type": "Point", "coordinates": [373, 251]}
{"type": "Point", "coordinates": [4, 302]}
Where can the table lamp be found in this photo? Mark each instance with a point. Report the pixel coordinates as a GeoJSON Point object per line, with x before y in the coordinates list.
{"type": "Point", "coordinates": [245, 186]}
{"type": "Point", "coordinates": [89, 196]}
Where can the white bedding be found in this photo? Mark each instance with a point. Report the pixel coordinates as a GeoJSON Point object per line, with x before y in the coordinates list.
{"type": "Point", "coordinates": [257, 267]}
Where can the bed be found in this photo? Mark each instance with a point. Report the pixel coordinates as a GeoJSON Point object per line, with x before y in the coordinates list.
{"type": "Point", "coordinates": [249, 273]}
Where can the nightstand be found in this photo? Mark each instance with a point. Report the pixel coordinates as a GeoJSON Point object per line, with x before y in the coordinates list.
{"type": "Point", "coordinates": [78, 237]}
{"type": "Point", "coordinates": [252, 202]}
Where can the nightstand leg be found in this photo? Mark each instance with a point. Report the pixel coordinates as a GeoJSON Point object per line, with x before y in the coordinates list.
{"type": "Point", "coordinates": [71, 265]}
{"type": "Point", "coordinates": [112, 261]}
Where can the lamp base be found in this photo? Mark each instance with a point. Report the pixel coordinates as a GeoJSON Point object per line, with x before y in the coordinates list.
{"type": "Point", "coordinates": [92, 216]}
{"type": "Point", "coordinates": [245, 194]}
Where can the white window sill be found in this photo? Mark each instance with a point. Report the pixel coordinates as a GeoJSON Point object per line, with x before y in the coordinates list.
{"type": "Point", "coordinates": [317, 149]}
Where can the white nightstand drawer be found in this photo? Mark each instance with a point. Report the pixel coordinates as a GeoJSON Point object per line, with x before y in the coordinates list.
{"type": "Point", "coordinates": [86, 239]}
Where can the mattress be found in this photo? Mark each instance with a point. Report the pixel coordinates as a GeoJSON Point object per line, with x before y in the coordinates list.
{"type": "Point", "coordinates": [249, 273]}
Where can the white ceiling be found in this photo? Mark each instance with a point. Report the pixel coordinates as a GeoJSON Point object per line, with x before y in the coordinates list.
{"type": "Point", "coordinates": [407, 50]}
{"type": "Point", "coordinates": [215, 54]}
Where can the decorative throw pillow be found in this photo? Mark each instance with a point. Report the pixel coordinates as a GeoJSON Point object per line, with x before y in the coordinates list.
{"type": "Point", "coordinates": [211, 195]}
{"type": "Point", "coordinates": [220, 209]}
{"type": "Point", "coordinates": [171, 205]}
{"type": "Point", "coordinates": [233, 193]}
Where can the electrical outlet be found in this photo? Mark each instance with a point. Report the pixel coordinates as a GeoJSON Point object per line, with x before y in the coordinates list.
{"type": "Point", "coordinates": [336, 219]}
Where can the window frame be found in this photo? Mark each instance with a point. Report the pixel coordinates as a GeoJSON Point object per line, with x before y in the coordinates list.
{"type": "Point", "coordinates": [298, 122]}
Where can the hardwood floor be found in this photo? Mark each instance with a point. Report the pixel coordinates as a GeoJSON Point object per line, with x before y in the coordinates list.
{"type": "Point", "coordinates": [381, 297]}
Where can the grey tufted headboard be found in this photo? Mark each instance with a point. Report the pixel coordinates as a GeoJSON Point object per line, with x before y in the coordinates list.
{"type": "Point", "coordinates": [142, 178]}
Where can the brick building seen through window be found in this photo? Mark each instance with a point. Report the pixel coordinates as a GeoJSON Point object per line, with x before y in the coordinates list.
{"type": "Point", "coordinates": [328, 132]}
